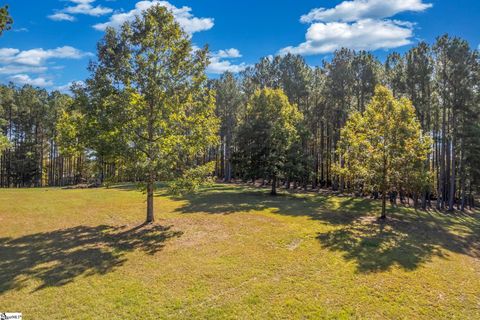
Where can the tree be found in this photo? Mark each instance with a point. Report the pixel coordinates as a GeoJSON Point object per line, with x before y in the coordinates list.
{"type": "Point", "coordinates": [5, 97]}
{"type": "Point", "coordinates": [30, 117]}
{"type": "Point", "coordinates": [418, 84]}
{"type": "Point", "coordinates": [456, 81]}
{"type": "Point", "coordinates": [365, 69]}
{"type": "Point", "coordinates": [229, 102]}
{"type": "Point", "coordinates": [147, 101]}
{"type": "Point", "coordinates": [5, 24]}
{"type": "Point", "coordinates": [3, 143]}
{"type": "Point", "coordinates": [6, 20]}
{"type": "Point", "coordinates": [395, 73]}
{"type": "Point", "coordinates": [268, 130]}
{"type": "Point", "coordinates": [384, 146]}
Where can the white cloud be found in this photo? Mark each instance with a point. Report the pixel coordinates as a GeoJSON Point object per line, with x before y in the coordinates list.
{"type": "Point", "coordinates": [358, 25]}
{"type": "Point", "coordinates": [25, 79]}
{"type": "Point", "coordinates": [20, 30]}
{"type": "Point", "coordinates": [362, 35]}
{"type": "Point", "coordinates": [7, 52]}
{"type": "Point", "coordinates": [85, 7]}
{"type": "Point", "coordinates": [219, 62]}
{"type": "Point", "coordinates": [228, 53]}
{"type": "Point", "coordinates": [183, 16]}
{"type": "Point", "coordinates": [14, 69]}
{"type": "Point", "coordinates": [66, 88]}
{"type": "Point", "coordinates": [349, 11]}
{"type": "Point", "coordinates": [38, 56]}
{"type": "Point", "coordinates": [60, 16]}
{"type": "Point", "coordinates": [217, 66]}
{"type": "Point", "coordinates": [20, 65]}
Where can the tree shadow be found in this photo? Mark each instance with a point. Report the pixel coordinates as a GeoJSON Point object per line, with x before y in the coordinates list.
{"type": "Point", "coordinates": [231, 199]}
{"type": "Point", "coordinates": [407, 239]}
{"type": "Point", "coordinates": [58, 257]}
{"type": "Point", "coordinates": [137, 187]}
{"type": "Point", "coordinates": [377, 245]}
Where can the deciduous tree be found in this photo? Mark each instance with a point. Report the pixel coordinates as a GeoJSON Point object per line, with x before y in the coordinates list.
{"type": "Point", "coordinates": [147, 101]}
{"type": "Point", "coordinates": [384, 146]}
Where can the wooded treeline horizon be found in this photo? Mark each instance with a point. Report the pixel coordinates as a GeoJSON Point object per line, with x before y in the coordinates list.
{"type": "Point", "coordinates": [441, 80]}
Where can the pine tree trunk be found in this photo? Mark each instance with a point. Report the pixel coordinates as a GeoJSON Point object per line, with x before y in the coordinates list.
{"type": "Point", "coordinates": [228, 164]}
{"type": "Point", "coordinates": [451, 200]}
{"type": "Point", "coordinates": [384, 188]}
{"type": "Point", "coordinates": [442, 191]}
{"type": "Point", "coordinates": [222, 159]}
{"type": "Point", "coordinates": [274, 186]}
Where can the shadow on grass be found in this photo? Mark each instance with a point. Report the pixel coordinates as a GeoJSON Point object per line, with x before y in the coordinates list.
{"type": "Point", "coordinates": [407, 239]}
{"type": "Point", "coordinates": [130, 186]}
{"type": "Point", "coordinates": [230, 199]}
{"type": "Point", "coordinates": [58, 257]}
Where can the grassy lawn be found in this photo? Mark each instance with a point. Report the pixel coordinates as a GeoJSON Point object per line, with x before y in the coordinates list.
{"type": "Point", "coordinates": [232, 252]}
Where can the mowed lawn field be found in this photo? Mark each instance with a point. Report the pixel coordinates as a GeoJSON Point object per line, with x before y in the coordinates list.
{"type": "Point", "coordinates": [232, 252]}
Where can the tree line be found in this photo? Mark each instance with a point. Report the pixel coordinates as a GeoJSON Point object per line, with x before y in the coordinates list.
{"type": "Point", "coordinates": [32, 156]}
{"type": "Point", "coordinates": [441, 81]}
{"type": "Point", "coordinates": [407, 127]}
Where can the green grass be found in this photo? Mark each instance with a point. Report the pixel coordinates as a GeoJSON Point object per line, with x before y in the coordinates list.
{"type": "Point", "coordinates": [232, 252]}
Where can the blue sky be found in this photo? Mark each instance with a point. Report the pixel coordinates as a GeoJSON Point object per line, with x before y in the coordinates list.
{"type": "Point", "coordinates": [52, 41]}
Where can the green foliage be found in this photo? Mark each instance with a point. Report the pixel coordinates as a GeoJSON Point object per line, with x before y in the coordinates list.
{"type": "Point", "coordinates": [6, 20]}
{"type": "Point", "coordinates": [229, 103]}
{"type": "Point", "coordinates": [5, 24]}
{"type": "Point", "coordinates": [68, 128]}
{"type": "Point", "coordinates": [229, 109]}
{"type": "Point", "coordinates": [297, 161]}
{"type": "Point", "coordinates": [4, 143]}
{"type": "Point", "coordinates": [28, 117]}
{"type": "Point", "coordinates": [395, 73]}
{"type": "Point", "coordinates": [192, 179]}
{"type": "Point", "coordinates": [383, 148]}
{"type": "Point", "coordinates": [147, 103]}
{"type": "Point", "coordinates": [268, 131]}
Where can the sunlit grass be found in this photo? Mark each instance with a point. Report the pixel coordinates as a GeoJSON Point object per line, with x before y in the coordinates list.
{"type": "Point", "coordinates": [232, 252]}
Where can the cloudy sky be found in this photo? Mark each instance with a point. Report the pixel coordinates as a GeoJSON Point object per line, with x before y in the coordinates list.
{"type": "Point", "coordinates": [52, 41]}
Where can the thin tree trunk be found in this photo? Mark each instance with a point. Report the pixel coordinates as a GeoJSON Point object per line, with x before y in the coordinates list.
{"type": "Point", "coordinates": [384, 188]}
{"type": "Point", "coordinates": [451, 200]}
{"type": "Point", "coordinates": [150, 214]}
{"type": "Point", "coordinates": [228, 164]}
{"type": "Point", "coordinates": [274, 186]}
{"type": "Point", "coordinates": [384, 204]}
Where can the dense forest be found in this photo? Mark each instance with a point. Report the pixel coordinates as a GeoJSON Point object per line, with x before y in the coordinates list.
{"type": "Point", "coordinates": [281, 121]}
{"type": "Point", "coordinates": [441, 81]}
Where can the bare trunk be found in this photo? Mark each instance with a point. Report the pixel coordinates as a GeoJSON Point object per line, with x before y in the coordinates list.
{"type": "Point", "coordinates": [150, 215]}
{"type": "Point", "coordinates": [384, 187]}
{"type": "Point", "coordinates": [442, 185]}
{"type": "Point", "coordinates": [274, 186]}
{"type": "Point", "coordinates": [384, 204]}
{"type": "Point", "coordinates": [228, 164]}
{"type": "Point", "coordinates": [451, 200]}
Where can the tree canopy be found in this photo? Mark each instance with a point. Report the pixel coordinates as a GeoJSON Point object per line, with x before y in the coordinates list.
{"type": "Point", "coordinates": [383, 148]}
{"type": "Point", "coordinates": [147, 102]}
{"type": "Point", "coordinates": [5, 24]}
{"type": "Point", "coordinates": [6, 20]}
{"type": "Point", "coordinates": [268, 130]}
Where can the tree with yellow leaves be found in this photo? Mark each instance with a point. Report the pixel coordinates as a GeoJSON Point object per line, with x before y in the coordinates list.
{"type": "Point", "coordinates": [384, 148]}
